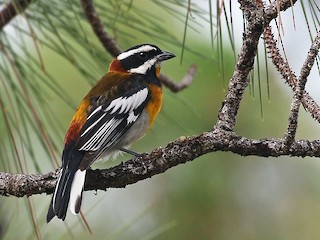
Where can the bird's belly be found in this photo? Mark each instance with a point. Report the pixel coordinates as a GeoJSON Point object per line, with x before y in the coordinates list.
{"type": "Point", "coordinates": [137, 131]}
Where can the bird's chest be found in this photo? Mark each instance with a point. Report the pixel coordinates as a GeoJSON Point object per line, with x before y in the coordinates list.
{"type": "Point", "coordinates": [154, 105]}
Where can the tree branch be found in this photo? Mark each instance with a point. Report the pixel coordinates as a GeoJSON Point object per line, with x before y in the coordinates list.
{"type": "Point", "coordinates": [184, 83]}
{"type": "Point", "coordinates": [299, 90]}
{"type": "Point", "coordinates": [239, 81]}
{"type": "Point", "coordinates": [11, 10]}
{"type": "Point", "coordinates": [288, 75]}
{"type": "Point", "coordinates": [158, 161]}
{"type": "Point", "coordinates": [257, 19]}
{"type": "Point", "coordinates": [97, 26]}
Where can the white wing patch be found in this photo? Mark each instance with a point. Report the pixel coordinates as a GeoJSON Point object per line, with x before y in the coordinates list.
{"type": "Point", "coordinates": [127, 104]}
{"type": "Point", "coordinates": [144, 48]}
{"type": "Point", "coordinates": [132, 117]}
{"type": "Point", "coordinates": [120, 111]}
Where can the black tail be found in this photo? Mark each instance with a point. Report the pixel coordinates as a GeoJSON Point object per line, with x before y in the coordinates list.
{"type": "Point", "coordinates": [70, 163]}
{"type": "Point", "coordinates": [61, 196]}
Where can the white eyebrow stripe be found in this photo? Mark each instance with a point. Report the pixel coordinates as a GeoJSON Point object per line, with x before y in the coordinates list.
{"type": "Point", "coordinates": [144, 48]}
{"type": "Point", "coordinates": [127, 104]}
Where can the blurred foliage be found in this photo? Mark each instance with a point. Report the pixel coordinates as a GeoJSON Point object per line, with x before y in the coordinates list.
{"type": "Point", "coordinates": [49, 60]}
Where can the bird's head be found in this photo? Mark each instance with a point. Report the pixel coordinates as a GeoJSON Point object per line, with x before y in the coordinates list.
{"type": "Point", "coordinates": [140, 59]}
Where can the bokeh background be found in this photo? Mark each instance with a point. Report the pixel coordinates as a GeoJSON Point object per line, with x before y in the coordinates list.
{"type": "Point", "coordinates": [52, 52]}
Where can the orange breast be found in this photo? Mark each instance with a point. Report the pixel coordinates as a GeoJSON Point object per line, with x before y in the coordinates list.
{"type": "Point", "coordinates": [154, 105]}
{"type": "Point", "coordinates": [158, 68]}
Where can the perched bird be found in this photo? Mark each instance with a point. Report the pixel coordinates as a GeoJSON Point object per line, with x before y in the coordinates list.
{"type": "Point", "coordinates": [117, 111]}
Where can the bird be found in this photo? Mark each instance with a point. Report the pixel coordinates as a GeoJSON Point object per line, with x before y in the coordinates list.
{"type": "Point", "coordinates": [118, 110]}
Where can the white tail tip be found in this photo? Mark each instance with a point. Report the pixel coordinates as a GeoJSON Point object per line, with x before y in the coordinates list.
{"type": "Point", "coordinates": [76, 191]}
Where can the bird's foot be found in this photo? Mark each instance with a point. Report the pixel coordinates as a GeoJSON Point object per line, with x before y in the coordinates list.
{"type": "Point", "coordinates": [135, 155]}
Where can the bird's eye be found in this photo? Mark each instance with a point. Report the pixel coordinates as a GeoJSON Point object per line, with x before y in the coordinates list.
{"type": "Point", "coordinates": [143, 55]}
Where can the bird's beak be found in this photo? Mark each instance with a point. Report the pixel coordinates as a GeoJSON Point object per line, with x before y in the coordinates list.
{"type": "Point", "coordinates": [165, 56]}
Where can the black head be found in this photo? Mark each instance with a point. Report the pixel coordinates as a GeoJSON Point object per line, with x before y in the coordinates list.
{"type": "Point", "coordinates": [141, 58]}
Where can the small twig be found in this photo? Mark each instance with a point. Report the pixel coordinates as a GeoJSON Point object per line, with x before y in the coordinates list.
{"type": "Point", "coordinates": [111, 47]}
{"type": "Point", "coordinates": [11, 10]}
{"type": "Point", "coordinates": [288, 75]}
{"type": "Point", "coordinates": [278, 61]}
{"type": "Point", "coordinates": [298, 93]}
{"type": "Point", "coordinates": [97, 26]}
{"type": "Point", "coordinates": [184, 83]}
{"type": "Point", "coordinates": [273, 9]}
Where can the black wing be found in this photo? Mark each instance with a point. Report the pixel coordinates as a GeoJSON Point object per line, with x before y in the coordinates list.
{"type": "Point", "coordinates": [109, 121]}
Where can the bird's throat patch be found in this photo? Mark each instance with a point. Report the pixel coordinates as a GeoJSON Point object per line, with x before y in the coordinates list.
{"type": "Point", "coordinates": [116, 66]}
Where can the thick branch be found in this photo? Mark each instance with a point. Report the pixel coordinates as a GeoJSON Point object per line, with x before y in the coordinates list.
{"type": "Point", "coordinates": [239, 81]}
{"type": "Point", "coordinates": [257, 19]}
{"type": "Point", "coordinates": [159, 160]}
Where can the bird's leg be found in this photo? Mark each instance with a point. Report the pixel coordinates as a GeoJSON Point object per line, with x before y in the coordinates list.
{"type": "Point", "coordinates": [134, 154]}
{"type": "Point", "coordinates": [135, 157]}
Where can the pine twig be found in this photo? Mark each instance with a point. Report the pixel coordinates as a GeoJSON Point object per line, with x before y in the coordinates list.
{"type": "Point", "coordinates": [239, 81]}
{"type": "Point", "coordinates": [97, 26]}
{"type": "Point", "coordinates": [299, 90]}
{"type": "Point", "coordinates": [184, 83]}
{"type": "Point", "coordinates": [288, 75]}
{"type": "Point", "coordinates": [11, 10]}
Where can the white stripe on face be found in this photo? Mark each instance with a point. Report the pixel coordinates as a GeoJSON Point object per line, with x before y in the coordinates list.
{"type": "Point", "coordinates": [144, 48]}
{"type": "Point", "coordinates": [145, 67]}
